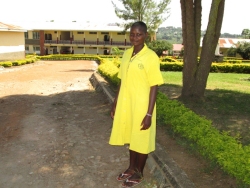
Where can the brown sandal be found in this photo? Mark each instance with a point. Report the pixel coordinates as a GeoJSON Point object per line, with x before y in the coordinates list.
{"type": "Point", "coordinates": [132, 183]}
{"type": "Point", "coordinates": [124, 176]}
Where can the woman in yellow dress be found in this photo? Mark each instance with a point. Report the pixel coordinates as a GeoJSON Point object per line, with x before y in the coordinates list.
{"type": "Point", "coordinates": [134, 109]}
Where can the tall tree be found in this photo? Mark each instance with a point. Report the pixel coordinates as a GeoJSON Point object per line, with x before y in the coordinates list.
{"type": "Point", "coordinates": [195, 72]}
{"type": "Point", "coordinates": [245, 33]}
{"type": "Point", "coordinates": [147, 11]}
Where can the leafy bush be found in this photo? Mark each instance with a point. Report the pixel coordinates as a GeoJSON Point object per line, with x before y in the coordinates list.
{"type": "Point", "coordinates": [109, 70]}
{"type": "Point", "coordinates": [6, 64]}
{"type": "Point", "coordinates": [158, 46]}
{"type": "Point", "coordinates": [219, 147]}
{"type": "Point", "coordinates": [63, 57]}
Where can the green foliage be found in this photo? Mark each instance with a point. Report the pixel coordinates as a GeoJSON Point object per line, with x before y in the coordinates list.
{"type": "Point", "coordinates": [231, 52]}
{"type": "Point", "coordinates": [216, 67]}
{"type": "Point", "coordinates": [167, 66]}
{"type": "Point", "coordinates": [29, 59]}
{"type": "Point", "coordinates": [61, 57]}
{"type": "Point", "coordinates": [229, 67]}
{"type": "Point", "coordinates": [243, 48]}
{"type": "Point", "coordinates": [170, 34]}
{"type": "Point", "coordinates": [109, 70]}
{"type": "Point", "coordinates": [148, 11]}
{"type": "Point", "coordinates": [6, 64]}
{"type": "Point", "coordinates": [217, 146]}
{"type": "Point", "coordinates": [116, 51]}
{"type": "Point", "coordinates": [159, 46]}
{"type": "Point", "coordinates": [246, 33]}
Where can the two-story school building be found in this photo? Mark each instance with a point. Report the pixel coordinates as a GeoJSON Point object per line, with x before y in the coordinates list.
{"type": "Point", "coordinates": [75, 38]}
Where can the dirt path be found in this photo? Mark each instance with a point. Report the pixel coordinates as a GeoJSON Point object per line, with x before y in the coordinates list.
{"type": "Point", "coordinates": [55, 128]}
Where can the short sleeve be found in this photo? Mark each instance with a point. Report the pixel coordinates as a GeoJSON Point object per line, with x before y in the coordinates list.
{"type": "Point", "coordinates": [154, 73]}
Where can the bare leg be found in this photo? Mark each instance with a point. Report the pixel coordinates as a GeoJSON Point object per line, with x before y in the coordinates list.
{"type": "Point", "coordinates": [141, 161]}
{"type": "Point", "coordinates": [137, 163]}
{"type": "Point", "coordinates": [132, 160]}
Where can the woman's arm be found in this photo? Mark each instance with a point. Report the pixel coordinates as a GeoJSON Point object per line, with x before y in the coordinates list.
{"type": "Point", "coordinates": [146, 122]}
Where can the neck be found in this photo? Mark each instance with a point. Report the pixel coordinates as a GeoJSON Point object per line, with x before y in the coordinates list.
{"type": "Point", "coordinates": [137, 49]}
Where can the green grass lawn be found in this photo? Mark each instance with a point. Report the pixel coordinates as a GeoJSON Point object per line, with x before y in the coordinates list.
{"type": "Point", "coordinates": [227, 101]}
{"type": "Point", "coordinates": [227, 81]}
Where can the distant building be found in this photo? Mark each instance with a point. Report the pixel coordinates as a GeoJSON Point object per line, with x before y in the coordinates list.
{"type": "Point", "coordinates": [12, 44]}
{"type": "Point", "coordinates": [74, 37]}
{"type": "Point", "coordinates": [224, 44]}
{"type": "Point", "coordinates": [175, 51]}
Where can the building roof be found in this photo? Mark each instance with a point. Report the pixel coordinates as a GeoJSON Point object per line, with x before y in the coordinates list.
{"type": "Point", "coordinates": [9, 27]}
{"type": "Point", "coordinates": [228, 42]}
{"type": "Point", "coordinates": [72, 26]}
{"type": "Point", "coordinates": [177, 47]}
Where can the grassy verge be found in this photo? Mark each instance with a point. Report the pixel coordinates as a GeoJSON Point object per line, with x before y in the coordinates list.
{"type": "Point", "coordinates": [227, 101]}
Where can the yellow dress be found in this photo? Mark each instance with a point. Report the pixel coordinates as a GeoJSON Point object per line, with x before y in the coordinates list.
{"type": "Point", "coordinates": [137, 75]}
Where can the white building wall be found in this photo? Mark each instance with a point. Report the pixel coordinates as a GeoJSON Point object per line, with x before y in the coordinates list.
{"type": "Point", "coordinates": [12, 45]}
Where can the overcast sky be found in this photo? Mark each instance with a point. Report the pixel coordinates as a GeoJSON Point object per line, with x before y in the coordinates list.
{"type": "Point", "coordinates": [236, 15]}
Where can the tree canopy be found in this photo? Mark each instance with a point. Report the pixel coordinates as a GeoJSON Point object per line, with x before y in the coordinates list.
{"type": "Point", "coordinates": [147, 11]}
{"type": "Point", "coordinates": [246, 33]}
{"type": "Point", "coordinates": [158, 46]}
{"type": "Point", "coordinates": [243, 48]}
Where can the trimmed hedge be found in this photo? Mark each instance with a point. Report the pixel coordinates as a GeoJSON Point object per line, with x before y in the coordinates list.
{"type": "Point", "coordinates": [216, 67]}
{"type": "Point", "coordinates": [217, 146]}
{"type": "Point", "coordinates": [29, 59]}
{"type": "Point", "coordinates": [109, 70]}
{"type": "Point", "coordinates": [62, 57]}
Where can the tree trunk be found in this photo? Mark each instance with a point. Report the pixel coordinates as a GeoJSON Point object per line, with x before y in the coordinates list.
{"type": "Point", "coordinates": [191, 24]}
{"type": "Point", "coordinates": [195, 72]}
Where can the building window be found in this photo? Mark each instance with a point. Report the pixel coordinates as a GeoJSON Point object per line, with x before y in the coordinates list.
{"type": "Point", "coordinates": [105, 33]}
{"type": "Point", "coordinates": [80, 32]}
{"type": "Point", "coordinates": [27, 48]}
{"type": "Point", "coordinates": [36, 48]}
{"type": "Point", "coordinates": [26, 36]}
{"type": "Point", "coordinates": [92, 33]}
{"type": "Point", "coordinates": [120, 33]}
{"type": "Point", "coordinates": [36, 35]}
{"type": "Point", "coordinates": [48, 36]}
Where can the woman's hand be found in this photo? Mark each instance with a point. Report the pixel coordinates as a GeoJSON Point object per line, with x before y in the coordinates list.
{"type": "Point", "coordinates": [146, 122]}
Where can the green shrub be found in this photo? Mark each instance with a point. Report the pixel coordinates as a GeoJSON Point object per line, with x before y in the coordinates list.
{"type": "Point", "coordinates": [219, 147]}
{"type": "Point", "coordinates": [6, 64]}
{"type": "Point", "coordinates": [64, 57]}
{"type": "Point", "coordinates": [109, 70]}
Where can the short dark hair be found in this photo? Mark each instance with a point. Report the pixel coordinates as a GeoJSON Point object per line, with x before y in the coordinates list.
{"type": "Point", "coordinates": [140, 24]}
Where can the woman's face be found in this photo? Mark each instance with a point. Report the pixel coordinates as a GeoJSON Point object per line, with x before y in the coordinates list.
{"type": "Point", "coordinates": [137, 36]}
